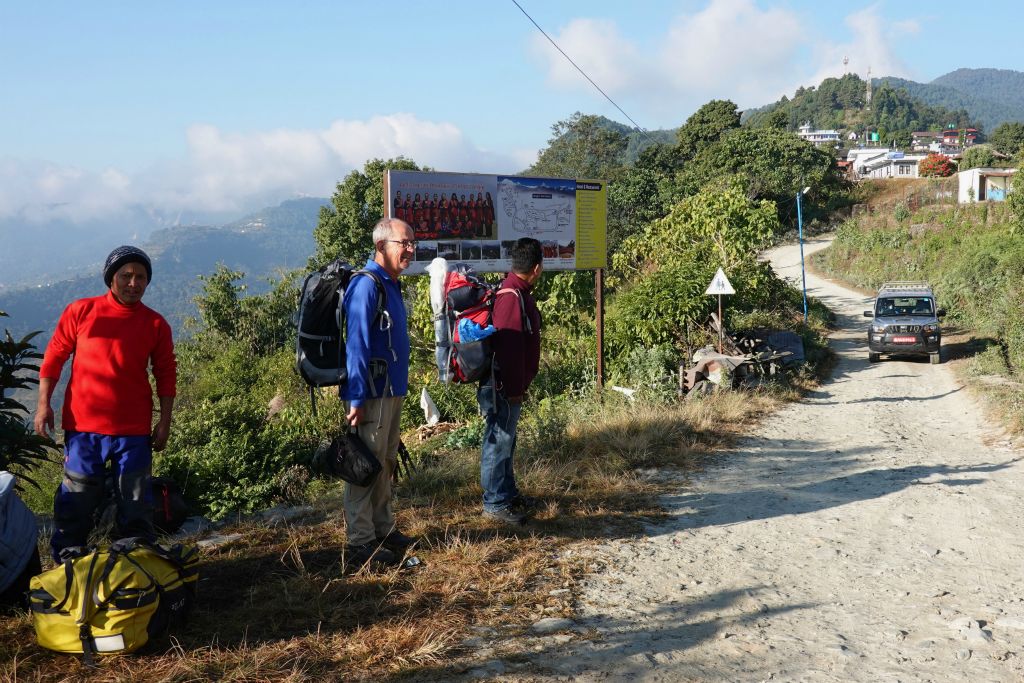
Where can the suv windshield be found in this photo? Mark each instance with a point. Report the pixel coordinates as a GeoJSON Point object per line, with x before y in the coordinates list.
{"type": "Point", "coordinates": [904, 305]}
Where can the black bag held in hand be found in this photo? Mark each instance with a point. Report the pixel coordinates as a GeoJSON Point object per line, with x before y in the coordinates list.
{"type": "Point", "coordinates": [348, 458]}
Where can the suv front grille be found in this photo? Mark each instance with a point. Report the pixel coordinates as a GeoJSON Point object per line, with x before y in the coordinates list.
{"type": "Point", "coordinates": [903, 328]}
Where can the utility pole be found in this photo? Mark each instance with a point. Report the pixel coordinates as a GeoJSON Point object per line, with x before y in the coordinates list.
{"type": "Point", "coordinates": [800, 232]}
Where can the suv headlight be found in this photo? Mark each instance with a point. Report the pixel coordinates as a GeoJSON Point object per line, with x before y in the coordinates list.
{"type": "Point", "coordinates": [878, 329]}
{"type": "Point", "coordinates": [930, 328]}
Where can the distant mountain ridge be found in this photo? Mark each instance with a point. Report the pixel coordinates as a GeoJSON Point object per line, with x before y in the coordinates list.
{"type": "Point", "coordinates": [990, 96]}
{"type": "Point", "coordinates": [637, 140]}
{"type": "Point", "coordinates": [261, 244]}
{"type": "Point", "coordinates": [978, 97]}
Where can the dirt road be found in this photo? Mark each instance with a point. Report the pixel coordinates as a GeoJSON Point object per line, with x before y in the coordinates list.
{"type": "Point", "coordinates": [871, 532]}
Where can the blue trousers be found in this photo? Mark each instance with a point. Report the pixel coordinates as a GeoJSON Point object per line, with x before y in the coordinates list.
{"type": "Point", "coordinates": [500, 421]}
{"type": "Point", "coordinates": [87, 457]}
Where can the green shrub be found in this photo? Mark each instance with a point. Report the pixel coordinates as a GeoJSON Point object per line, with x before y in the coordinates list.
{"type": "Point", "coordinates": [469, 435]}
{"type": "Point", "coordinates": [901, 213]}
{"type": "Point", "coordinates": [652, 372]}
{"type": "Point", "coordinates": [21, 450]}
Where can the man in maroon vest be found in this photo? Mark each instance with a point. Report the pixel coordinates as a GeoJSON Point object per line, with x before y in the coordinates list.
{"type": "Point", "coordinates": [516, 347]}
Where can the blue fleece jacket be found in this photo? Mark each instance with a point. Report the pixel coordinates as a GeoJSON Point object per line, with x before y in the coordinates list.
{"type": "Point", "coordinates": [384, 341]}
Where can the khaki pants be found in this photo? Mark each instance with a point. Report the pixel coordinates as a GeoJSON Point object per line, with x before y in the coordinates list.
{"type": "Point", "coordinates": [368, 511]}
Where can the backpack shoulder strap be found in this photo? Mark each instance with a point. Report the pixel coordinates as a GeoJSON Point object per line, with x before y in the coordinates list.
{"type": "Point", "coordinates": [382, 295]}
{"type": "Point", "coordinates": [527, 326]}
{"type": "Point", "coordinates": [382, 316]}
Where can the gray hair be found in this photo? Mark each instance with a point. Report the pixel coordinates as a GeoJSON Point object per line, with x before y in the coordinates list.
{"type": "Point", "coordinates": [385, 228]}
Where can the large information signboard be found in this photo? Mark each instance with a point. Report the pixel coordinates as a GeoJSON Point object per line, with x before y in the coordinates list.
{"type": "Point", "coordinates": [474, 218]}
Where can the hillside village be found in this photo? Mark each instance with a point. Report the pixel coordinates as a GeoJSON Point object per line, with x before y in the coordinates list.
{"type": "Point", "coordinates": [866, 151]}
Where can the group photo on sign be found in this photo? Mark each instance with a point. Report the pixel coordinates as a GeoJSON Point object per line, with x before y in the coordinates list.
{"type": "Point", "coordinates": [440, 215]}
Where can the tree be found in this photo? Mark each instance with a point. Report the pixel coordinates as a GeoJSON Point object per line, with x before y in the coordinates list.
{"type": "Point", "coordinates": [706, 126]}
{"type": "Point", "coordinates": [777, 119]}
{"type": "Point", "coordinates": [219, 307]}
{"type": "Point", "coordinates": [20, 448]}
{"type": "Point", "coordinates": [1008, 137]}
{"type": "Point", "coordinates": [1015, 200]}
{"type": "Point", "coordinates": [667, 267]}
{"type": "Point", "coordinates": [581, 147]}
{"type": "Point", "coordinates": [978, 156]}
{"type": "Point", "coordinates": [661, 158]}
{"type": "Point", "coordinates": [260, 324]}
{"type": "Point", "coordinates": [345, 228]}
{"type": "Point", "coordinates": [936, 166]}
{"type": "Point", "coordinates": [773, 165]}
{"type": "Point", "coordinates": [634, 200]}
{"type": "Point", "coordinates": [719, 224]}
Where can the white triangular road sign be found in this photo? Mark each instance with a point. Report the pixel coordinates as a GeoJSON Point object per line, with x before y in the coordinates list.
{"type": "Point", "coordinates": [720, 284]}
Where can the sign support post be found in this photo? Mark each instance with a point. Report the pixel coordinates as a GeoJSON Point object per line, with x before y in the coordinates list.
{"type": "Point", "coordinates": [721, 324]}
{"type": "Point", "coordinates": [599, 324]}
{"type": "Point", "coordinates": [720, 285]}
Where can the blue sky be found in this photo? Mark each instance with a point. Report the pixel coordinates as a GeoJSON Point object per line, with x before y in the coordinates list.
{"type": "Point", "coordinates": [222, 106]}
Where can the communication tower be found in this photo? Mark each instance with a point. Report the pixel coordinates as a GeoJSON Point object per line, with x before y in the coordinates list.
{"type": "Point", "coordinates": [867, 95]}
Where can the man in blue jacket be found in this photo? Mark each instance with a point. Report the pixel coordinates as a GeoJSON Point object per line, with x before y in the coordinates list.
{"type": "Point", "coordinates": [377, 346]}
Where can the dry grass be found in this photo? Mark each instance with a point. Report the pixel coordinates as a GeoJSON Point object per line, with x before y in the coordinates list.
{"type": "Point", "coordinates": [278, 606]}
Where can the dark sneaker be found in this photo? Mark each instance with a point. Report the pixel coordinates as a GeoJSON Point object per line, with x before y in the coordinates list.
{"type": "Point", "coordinates": [507, 515]}
{"type": "Point", "coordinates": [397, 542]}
{"type": "Point", "coordinates": [526, 503]}
{"type": "Point", "coordinates": [370, 554]}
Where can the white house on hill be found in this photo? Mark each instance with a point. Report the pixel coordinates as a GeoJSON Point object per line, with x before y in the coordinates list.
{"type": "Point", "coordinates": [874, 162]}
{"type": "Point", "coordinates": [892, 165]}
{"type": "Point", "coordinates": [818, 137]}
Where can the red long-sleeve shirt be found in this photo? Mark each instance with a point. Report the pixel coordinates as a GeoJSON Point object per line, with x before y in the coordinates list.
{"type": "Point", "coordinates": [516, 350]}
{"type": "Point", "coordinates": [113, 345]}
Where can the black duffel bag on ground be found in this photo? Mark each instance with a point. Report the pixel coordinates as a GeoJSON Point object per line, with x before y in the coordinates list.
{"type": "Point", "coordinates": [347, 457]}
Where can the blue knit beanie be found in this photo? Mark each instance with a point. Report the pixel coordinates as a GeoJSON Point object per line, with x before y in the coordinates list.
{"type": "Point", "coordinates": [122, 255]}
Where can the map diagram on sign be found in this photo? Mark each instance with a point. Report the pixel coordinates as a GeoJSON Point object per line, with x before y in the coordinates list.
{"type": "Point", "coordinates": [535, 206]}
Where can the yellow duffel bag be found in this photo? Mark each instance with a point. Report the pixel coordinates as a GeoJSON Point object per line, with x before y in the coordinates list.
{"type": "Point", "coordinates": [114, 600]}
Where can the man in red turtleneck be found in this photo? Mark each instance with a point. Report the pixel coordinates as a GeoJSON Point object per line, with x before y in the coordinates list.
{"type": "Point", "coordinates": [108, 406]}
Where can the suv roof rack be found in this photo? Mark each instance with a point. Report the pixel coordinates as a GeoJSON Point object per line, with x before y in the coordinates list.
{"type": "Point", "coordinates": [906, 285]}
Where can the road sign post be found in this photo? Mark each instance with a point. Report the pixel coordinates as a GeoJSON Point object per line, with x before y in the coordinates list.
{"type": "Point", "coordinates": [720, 285]}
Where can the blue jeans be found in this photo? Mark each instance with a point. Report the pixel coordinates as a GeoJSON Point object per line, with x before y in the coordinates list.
{"type": "Point", "coordinates": [82, 491]}
{"type": "Point", "coordinates": [500, 420]}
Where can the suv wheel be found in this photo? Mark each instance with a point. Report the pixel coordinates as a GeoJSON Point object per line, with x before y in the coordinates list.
{"type": "Point", "coordinates": [935, 358]}
{"type": "Point", "coordinates": [874, 357]}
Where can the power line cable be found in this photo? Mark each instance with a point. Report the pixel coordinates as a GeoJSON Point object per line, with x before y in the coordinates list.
{"type": "Point", "coordinates": [636, 125]}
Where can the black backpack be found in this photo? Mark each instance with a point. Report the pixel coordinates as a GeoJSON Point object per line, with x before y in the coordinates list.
{"type": "Point", "coordinates": [320, 345]}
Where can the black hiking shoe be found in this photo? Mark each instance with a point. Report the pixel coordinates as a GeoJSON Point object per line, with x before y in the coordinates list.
{"type": "Point", "coordinates": [397, 542]}
{"type": "Point", "coordinates": [507, 516]}
{"type": "Point", "coordinates": [371, 554]}
{"type": "Point", "coordinates": [526, 504]}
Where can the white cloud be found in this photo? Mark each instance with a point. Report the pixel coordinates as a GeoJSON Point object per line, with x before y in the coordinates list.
{"type": "Point", "coordinates": [225, 171]}
{"type": "Point", "coordinates": [907, 26]}
{"type": "Point", "coordinates": [730, 46]}
{"type": "Point", "coordinates": [596, 46]}
{"type": "Point", "coordinates": [729, 49]}
{"type": "Point", "coordinates": [870, 46]}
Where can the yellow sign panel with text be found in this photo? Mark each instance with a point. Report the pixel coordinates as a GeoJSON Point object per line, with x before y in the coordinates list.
{"type": "Point", "coordinates": [591, 224]}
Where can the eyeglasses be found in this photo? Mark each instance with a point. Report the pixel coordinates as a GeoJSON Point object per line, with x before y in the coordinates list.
{"type": "Point", "coordinates": [406, 244]}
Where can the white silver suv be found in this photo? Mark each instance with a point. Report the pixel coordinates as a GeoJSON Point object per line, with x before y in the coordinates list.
{"type": "Point", "coordinates": [905, 321]}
